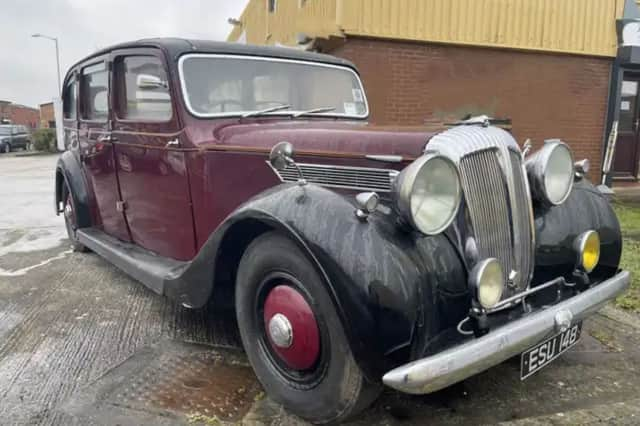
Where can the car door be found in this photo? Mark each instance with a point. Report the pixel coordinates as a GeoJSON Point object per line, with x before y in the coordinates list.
{"type": "Point", "coordinates": [150, 155]}
{"type": "Point", "coordinates": [96, 147]}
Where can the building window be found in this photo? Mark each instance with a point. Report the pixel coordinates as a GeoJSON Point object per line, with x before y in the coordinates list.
{"type": "Point", "coordinates": [271, 5]}
{"type": "Point", "coordinates": [301, 3]}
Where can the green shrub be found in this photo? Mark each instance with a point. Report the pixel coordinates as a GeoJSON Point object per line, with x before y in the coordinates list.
{"type": "Point", "coordinates": [44, 140]}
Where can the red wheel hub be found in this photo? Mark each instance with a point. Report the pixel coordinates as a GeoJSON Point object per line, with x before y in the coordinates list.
{"type": "Point", "coordinates": [291, 327]}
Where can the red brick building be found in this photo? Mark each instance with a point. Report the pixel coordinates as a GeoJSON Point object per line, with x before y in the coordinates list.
{"type": "Point", "coordinates": [19, 114]}
{"type": "Point", "coordinates": [47, 116]}
{"type": "Point", "coordinates": [547, 66]}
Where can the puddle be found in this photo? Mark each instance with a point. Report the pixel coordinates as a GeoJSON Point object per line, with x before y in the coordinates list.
{"type": "Point", "coordinates": [202, 383]}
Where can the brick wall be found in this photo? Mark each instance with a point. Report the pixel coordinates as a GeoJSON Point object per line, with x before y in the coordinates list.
{"type": "Point", "coordinates": [545, 95]}
{"type": "Point", "coordinates": [47, 116]}
{"type": "Point", "coordinates": [20, 114]}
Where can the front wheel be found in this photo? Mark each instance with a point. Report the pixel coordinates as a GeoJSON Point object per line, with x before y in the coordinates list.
{"type": "Point", "coordinates": [6, 148]}
{"type": "Point", "coordinates": [292, 334]}
{"type": "Point", "coordinates": [70, 220]}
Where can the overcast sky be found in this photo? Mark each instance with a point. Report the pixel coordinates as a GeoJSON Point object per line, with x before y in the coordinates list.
{"type": "Point", "coordinates": [28, 65]}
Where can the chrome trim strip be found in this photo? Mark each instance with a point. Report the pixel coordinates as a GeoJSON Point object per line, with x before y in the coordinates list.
{"type": "Point", "coordinates": [187, 101]}
{"type": "Point", "coordinates": [385, 158]}
{"type": "Point", "coordinates": [460, 362]}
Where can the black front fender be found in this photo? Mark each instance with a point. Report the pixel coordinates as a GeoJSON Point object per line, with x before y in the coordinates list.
{"type": "Point", "coordinates": [558, 227]}
{"type": "Point", "coordinates": [386, 283]}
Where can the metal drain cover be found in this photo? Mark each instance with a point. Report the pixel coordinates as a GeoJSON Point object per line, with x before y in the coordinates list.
{"type": "Point", "coordinates": [173, 380]}
{"type": "Point", "coordinates": [203, 383]}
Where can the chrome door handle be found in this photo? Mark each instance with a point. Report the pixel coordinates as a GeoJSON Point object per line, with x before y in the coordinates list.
{"type": "Point", "coordinates": [107, 138]}
{"type": "Point", "coordinates": [173, 144]}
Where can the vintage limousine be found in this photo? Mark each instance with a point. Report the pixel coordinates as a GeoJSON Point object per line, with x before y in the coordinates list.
{"type": "Point", "coordinates": [354, 255]}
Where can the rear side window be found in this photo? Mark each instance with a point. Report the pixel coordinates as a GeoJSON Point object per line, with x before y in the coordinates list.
{"type": "Point", "coordinates": [95, 92]}
{"type": "Point", "coordinates": [69, 101]}
{"type": "Point", "coordinates": [142, 89]}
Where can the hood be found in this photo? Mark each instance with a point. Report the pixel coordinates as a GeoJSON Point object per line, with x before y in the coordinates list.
{"type": "Point", "coordinates": [325, 137]}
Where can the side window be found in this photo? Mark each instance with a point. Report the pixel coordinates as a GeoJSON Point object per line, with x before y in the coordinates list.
{"type": "Point", "coordinates": [142, 89]}
{"type": "Point", "coordinates": [94, 92]}
{"type": "Point", "coordinates": [69, 100]}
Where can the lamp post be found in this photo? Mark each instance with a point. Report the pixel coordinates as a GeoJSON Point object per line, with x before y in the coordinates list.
{"type": "Point", "coordinates": [55, 40]}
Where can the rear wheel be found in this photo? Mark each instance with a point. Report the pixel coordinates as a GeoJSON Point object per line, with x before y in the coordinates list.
{"type": "Point", "coordinates": [70, 220]}
{"type": "Point", "coordinates": [293, 336]}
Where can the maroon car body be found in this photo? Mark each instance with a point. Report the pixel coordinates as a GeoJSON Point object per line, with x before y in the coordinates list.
{"type": "Point", "coordinates": [336, 276]}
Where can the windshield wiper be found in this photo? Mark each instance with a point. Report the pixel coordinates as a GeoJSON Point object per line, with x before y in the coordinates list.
{"type": "Point", "coordinates": [314, 111]}
{"type": "Point", "coordinates": [265, 111]}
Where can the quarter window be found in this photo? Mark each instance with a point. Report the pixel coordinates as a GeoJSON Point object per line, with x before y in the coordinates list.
{"type": "Point", "coordinates": [69, 101]}
{"type": "Point", "coordinates": [95, 92]}
{"type": "Point", "coordinates": [143, 89]}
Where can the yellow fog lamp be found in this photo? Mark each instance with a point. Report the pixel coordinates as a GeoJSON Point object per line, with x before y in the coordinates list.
{"type": "Point", "coordinates": [587, 246]}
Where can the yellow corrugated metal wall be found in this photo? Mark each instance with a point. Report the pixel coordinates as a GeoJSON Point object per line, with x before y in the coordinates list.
{"type": "Point", "coordinates": [316, 18]}
{"type": "Point", "coordinates": [572, 26]}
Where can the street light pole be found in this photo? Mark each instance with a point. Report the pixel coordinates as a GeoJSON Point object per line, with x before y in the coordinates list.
{"type": "Point", "coordinates": [55, 40]}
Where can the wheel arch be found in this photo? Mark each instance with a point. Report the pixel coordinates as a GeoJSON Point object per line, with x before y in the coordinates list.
{"type": "Point", "coordinates": [381, 279]}
{"type": "Point", "coordinates": [69, 171]}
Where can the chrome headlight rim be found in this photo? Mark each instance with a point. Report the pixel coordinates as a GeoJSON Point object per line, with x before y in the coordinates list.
{"type": "Point", "coordinates": [404, 185]}
{"type": "Point", "coordinates": [476, 280]}
{"type": "Point", "coordinates": [537, 169]}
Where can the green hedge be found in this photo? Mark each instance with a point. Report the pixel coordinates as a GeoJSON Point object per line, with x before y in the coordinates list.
{"type": "Point", "coordinates": [45, 140]}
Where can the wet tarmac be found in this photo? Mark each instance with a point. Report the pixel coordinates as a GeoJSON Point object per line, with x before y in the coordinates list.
{"type": "Point", "coordinates": [81, 343]}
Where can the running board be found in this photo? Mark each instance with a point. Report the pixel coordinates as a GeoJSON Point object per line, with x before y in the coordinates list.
{"type": "Point", "coordinates": [152, 270]}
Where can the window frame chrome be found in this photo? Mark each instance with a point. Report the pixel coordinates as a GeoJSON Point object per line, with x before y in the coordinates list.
{"type": "Point", "coordinates": [187, 101]}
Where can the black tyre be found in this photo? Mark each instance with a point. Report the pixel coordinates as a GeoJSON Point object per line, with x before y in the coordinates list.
{"type": "Point", "coordinates": [292, 334]}
{"type": "Point", "coordinates": [6, 148]}
{"type": "Point", "coordinates": [70, 219]}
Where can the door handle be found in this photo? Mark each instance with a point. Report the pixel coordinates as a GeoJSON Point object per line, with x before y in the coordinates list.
{"type": "Point", "coordinates": [173, 144]}
{"type": "Point", "coordinates": [107, 138]}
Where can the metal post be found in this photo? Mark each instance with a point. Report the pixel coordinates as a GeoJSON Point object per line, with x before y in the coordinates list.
{"type": "Point", "coordinates": [58, 65]}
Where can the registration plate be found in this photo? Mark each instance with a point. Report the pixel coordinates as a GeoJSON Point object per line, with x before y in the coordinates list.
{"type": "Point", "coordinates": [543, 353]}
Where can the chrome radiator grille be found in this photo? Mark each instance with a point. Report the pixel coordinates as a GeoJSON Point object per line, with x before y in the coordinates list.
{"type": "Point", "coordinates": [358, 178]}
{"type": "Point", "coordinates": [497, 197]}
{"type": "Point", "coordinates": [499, 211]}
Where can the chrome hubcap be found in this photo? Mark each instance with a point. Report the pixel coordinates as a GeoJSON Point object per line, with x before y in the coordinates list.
{"type": "Point", "coordinates": [280, 331]}
{"type": "Point", "coordinates": [68, 211]}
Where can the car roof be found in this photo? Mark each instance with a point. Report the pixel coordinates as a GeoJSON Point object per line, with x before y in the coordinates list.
{"type": "Point", "coordinates": [175, 47]}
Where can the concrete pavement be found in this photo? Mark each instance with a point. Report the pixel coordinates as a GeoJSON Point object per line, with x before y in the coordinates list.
{"type": "Point", "coordinates": [82, 343]}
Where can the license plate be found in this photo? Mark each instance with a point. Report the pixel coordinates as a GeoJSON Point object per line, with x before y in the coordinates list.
{"type": "Point", "coordinates": [543, 353]}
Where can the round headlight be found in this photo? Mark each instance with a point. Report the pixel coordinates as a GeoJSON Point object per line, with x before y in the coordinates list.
{"type": "Point", "coordinates": [551, 172]}
{"type": "Point", "coordinates": [587, 246]}
{"type": "Point", "coordinates": [428, 193]}
{"type": "Point", "coordinates": [487, 282]}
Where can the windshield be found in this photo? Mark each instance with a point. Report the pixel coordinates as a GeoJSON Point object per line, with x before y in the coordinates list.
{"type": "Point", "coordinates": [217, 85]}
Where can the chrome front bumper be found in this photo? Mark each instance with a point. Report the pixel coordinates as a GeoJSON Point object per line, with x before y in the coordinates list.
{"type": "Point", "coordinates": [457, 363]}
